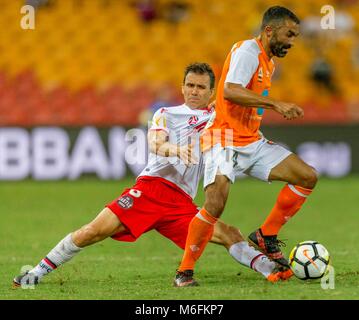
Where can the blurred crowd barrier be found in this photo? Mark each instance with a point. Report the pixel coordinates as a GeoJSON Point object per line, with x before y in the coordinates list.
{"type": "Point", "coordinates": [108, 62]}
{"type": "Point", "coordinates": [55, 153]}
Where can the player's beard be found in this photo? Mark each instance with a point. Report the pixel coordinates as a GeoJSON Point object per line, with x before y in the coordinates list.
{"type": "Point", "coordinates": [278, 49]}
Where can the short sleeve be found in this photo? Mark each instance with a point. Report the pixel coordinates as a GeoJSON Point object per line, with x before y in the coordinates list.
{"type": "Point", "coordinates": [159, 120]}
{"type": "Point", "coordinates": [242, 67]}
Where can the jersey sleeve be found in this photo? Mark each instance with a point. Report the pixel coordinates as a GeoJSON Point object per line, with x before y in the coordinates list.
{"type": "Point", "coordinates": [242, 67]}
{"type": "Point", "coordinates": [160, 120]}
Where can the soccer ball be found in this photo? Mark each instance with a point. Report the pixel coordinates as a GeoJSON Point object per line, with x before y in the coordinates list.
{"type": "Point", "coordinates": [309, 260]}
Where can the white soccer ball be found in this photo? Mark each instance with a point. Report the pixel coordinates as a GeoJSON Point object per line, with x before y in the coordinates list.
{"type": "Point", "coordinates": [309, 260]}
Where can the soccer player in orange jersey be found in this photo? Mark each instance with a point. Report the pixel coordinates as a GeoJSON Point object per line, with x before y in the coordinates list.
{"type": "Point", "coordinates": [233, 144]}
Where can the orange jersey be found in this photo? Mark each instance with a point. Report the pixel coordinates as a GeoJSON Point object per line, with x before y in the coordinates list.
{"type": "Point", "coordinates": [247, 64]}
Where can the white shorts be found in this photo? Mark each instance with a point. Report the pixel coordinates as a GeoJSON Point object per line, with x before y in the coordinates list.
{"type": "Point", "coordinates": [256, 160]}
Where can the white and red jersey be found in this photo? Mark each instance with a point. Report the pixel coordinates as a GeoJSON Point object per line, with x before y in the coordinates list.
{"type": "Point", "coordinates": [183, 126]}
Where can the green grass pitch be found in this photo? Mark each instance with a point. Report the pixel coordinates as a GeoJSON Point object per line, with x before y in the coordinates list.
{"type": "Point", "coordinates": [36, 215]}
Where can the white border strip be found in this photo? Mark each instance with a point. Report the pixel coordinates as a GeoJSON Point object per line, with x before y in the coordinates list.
{"type": "Point", "coordinates": [199, 216]}
{"type": "Point", "coordinates": [291, 187]}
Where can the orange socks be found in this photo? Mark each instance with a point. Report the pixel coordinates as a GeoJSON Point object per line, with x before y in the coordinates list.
{"type": "Point", "coordinates": [200, 231]}
{"type": "Point", "coordinates": [289, 201]}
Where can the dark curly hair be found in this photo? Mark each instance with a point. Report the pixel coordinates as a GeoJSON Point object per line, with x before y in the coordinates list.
{"type": "Point", "coordinates": [277, 14]}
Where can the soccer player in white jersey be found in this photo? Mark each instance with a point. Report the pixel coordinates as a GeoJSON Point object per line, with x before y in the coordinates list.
{"type": "Point", "coordinates": [162, 197]}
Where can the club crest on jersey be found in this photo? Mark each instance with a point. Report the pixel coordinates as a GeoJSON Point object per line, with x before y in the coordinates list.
{"type": "Point", "coordinates": [125, 202]}
{"type": "Point", "coordinates": [192, 120]}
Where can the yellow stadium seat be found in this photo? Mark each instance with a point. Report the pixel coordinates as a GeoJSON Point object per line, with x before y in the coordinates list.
{"type": "Point", "coordinates": [82, 43]}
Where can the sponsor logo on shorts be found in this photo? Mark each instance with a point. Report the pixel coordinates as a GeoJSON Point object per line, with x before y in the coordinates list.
{"type": "Point", "coordinates": [125, 202]}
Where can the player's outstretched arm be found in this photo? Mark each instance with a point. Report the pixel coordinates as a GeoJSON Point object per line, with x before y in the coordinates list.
{"type": "Point", "coordinates": [158, 144]}
{"type": "Point", "coordinates": [237, 94]}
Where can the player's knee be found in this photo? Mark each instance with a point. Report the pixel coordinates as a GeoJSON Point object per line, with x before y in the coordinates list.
{"type": "Point", "coordinates": [214, 206]}
{"type": "Point", "coordinates": [309, 178]}
{"type": "Point", "coordinates": [87, 235]}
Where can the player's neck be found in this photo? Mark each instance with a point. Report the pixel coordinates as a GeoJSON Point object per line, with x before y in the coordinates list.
{"type": "Point", "coordinates": [265, 45]}
{"type": "Point", "coordinates": [197, 108]}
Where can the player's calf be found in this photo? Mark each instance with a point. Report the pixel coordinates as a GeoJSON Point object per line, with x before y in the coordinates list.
{"type": "Point", "coordinates": [103, 226]}
{"type": "Point", "coordinates": [226, 235]}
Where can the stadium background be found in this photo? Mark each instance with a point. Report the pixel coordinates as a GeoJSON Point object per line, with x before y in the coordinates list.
{"type": "Point", "coordinates": [107, 63]}
{"type": "Point", "coordinates": [91, 70]}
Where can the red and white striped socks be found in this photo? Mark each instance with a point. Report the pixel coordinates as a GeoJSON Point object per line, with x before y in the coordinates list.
{"type": "Point", "coordinates": [64, 251]}
{"type": "Point", "coordinates": [251, 258]}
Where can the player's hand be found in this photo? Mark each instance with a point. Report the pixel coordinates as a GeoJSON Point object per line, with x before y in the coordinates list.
{"type": "Point", "coordinates": [212, 105]}
{"type": "Point", "coordinates": [187, 154]}
{"type": "Point", "coordinates": [289, 110]}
